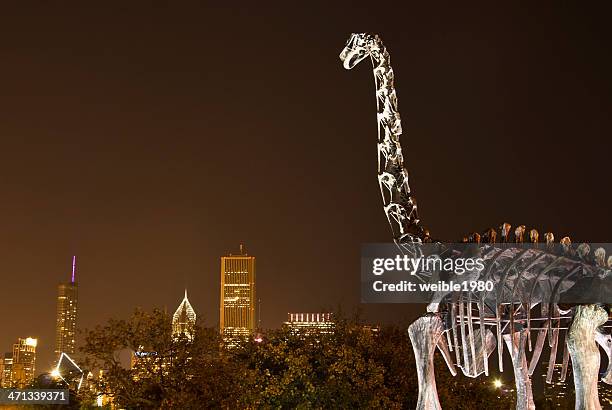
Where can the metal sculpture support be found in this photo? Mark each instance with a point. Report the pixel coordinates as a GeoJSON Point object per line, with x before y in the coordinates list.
{"type": "Point", "coordinates": [530, 279]}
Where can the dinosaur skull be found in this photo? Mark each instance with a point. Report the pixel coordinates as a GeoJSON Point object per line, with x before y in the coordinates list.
{"type": "Point", "coordinates": [357, 48]}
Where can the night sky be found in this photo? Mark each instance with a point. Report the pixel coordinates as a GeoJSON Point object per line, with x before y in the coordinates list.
{"type": "Point", "coordinates": [151, 140]}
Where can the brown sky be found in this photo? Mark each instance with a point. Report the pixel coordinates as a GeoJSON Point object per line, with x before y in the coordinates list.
{"type": "Point", "coordinates": [150, 140]}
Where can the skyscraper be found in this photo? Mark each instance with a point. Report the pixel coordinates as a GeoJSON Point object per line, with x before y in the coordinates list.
{"type": "Point", "coordinates": [65, 330]}
{"type": "Point", "coordinates": [184, 319]}
{"type": "Point", "coordinates": [24, 362]}
{"type": "Point", "coordinates": [237, 300]}
{"type": "Point", "coordinates": [6, 371]}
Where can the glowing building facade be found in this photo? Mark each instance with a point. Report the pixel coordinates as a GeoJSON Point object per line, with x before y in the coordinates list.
{"type": "Point", "coordinates": [65, 329]}
{"type": "Point", "coordinates": [184, 319]}
{"type": "Point", "coordinates": [6, 371]}
{"type": "Point", "coordinates": [24, 362]}
{"type": "Point", "coordinates": [310, 323]}
{"type": "Point", "coordinates": [237, 299]}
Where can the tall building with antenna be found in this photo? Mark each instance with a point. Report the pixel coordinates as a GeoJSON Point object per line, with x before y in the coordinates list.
{"type": "Point", "coordinates": [238, 302]}
{"type": "Point", "coordinates": [65, 328]}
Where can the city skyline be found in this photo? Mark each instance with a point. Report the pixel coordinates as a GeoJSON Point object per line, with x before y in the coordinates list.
{"type": "Point", "coordinates": [150, 152]}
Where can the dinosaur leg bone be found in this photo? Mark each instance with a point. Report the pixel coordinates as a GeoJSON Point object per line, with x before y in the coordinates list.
{"type": "Point", "coordinates": [425, 334]}
{"type": "Point", "coordinates": [585, 354]}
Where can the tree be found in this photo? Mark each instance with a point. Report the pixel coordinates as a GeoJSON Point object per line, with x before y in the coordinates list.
{"type": "Point", "coordinates": [171, 372]}
{"type": "Point", "coordinates": [354, 367]}
{"type": "Point", "coordinates": [46, 381]}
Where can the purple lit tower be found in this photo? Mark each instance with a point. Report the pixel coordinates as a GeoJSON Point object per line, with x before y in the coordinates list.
{"type": "Point", "coordinates": [65, 331]}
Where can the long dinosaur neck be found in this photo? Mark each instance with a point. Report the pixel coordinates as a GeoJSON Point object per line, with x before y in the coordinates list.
{"type": "Point", "coordinates": [400, 207]}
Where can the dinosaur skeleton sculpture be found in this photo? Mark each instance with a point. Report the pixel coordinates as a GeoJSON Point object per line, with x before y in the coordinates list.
{"type": "Point", "coordinates": [529, 278]}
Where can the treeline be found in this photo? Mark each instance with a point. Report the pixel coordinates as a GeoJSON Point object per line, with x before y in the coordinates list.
{"type": "Point", "coordinates": [353, 367]}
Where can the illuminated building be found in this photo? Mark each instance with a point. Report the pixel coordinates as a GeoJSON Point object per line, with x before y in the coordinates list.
{"type": "Point", "coordinates": [6, 371]}
{"type": "Point", "coordinates": [146, 363]}
{"type": "Point", "coordinates": [237, 300]}
{"type": "Point", "coordinates": [65, 330]}
{"type": "Point", "coordinates": [305, 323]}
{"type": "Point", "coordinates": [24, 362]}
{"type": "Point", "coordinates": [184, 319]}
{"type": "Point", "coordinates": [69, 372]}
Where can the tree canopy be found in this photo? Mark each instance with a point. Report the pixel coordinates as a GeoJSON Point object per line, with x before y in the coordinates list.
{"type": "Point", "coordinates": [352, 367]}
